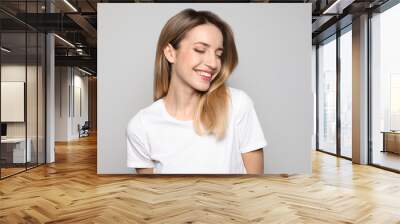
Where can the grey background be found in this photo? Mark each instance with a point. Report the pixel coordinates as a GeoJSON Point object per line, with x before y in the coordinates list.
{"type": "Point", "coordinates": [274, 45]}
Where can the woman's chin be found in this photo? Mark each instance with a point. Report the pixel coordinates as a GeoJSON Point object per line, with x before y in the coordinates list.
{"type": "Point", "coordinates": [202, 87]}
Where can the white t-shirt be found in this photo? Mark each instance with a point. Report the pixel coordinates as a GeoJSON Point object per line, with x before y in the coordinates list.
{"type": "Point", "coordinates": [157, 140]}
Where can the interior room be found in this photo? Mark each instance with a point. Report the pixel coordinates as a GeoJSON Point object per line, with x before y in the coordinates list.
{"type": "Point", "coordinates": [65, 107]}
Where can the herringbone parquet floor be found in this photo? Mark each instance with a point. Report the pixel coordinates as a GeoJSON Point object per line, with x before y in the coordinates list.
{"type": "Point", "coordinates": [70, 191]}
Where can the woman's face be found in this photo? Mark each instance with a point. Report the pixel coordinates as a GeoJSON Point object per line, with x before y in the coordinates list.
{"type": "Point", "coordinates": [197, 60]}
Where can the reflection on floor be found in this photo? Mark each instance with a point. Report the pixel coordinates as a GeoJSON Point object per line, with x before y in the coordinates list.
{"type": "Point", "coordinates": [10, 169]}
{"type": "Point", "coordinates": [386, 159]}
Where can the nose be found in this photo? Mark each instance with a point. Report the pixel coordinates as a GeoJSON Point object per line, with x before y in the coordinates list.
{"type": "Point", "coordinates": [211, 61]}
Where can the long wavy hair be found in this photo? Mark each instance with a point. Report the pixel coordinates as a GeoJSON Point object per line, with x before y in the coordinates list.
{"type": "Point", "coordinates": [212, 111]}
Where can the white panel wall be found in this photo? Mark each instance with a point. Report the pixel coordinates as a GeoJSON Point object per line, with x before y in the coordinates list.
{"type": "Point", "coordinates": [61, 103]}
{"type": "Point", "coordinates": [68, 80]}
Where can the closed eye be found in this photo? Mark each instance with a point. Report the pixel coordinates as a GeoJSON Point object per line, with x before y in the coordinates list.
{"type": "Point", "coordinates": [199, 51]}
{"type": "Point", "coordinates": [219, 53]}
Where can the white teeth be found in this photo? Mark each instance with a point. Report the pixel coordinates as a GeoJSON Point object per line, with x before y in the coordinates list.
{"type": "Point", "coordinates": [205, 74]}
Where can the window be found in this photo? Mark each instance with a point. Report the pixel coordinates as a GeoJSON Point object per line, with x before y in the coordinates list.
{"type": "Point", "coordinates": [346, 94]}
{"type": "Point", "coordinates": [385, 88]}
{"type": "Point", "coordinates": [327, 96]}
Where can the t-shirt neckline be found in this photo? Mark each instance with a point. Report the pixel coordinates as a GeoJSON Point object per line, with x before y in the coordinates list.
{"type": "Point", "coordinates": [169, 116]}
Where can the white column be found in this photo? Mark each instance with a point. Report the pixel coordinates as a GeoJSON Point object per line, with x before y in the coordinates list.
{"type": "Point", "coordinates": [50, 92]}
{"type": "Point", "coordinates": [360, 90]}
{"type": "Point", "coordinates": [50, 110]}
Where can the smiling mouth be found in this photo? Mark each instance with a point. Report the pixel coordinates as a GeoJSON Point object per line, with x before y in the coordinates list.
{"type": "Point", "coordinates": [204, 75]}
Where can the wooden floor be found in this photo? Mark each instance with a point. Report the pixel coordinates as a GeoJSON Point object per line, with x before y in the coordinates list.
{"type": "Point", "coordinates": [70, 191]}
{"type": "Point", "coordinates": [5, 172]}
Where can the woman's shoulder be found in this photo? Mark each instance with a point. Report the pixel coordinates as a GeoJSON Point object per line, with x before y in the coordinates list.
{"type": "Point", "coordinates": [144, 114]}
{"type": "Point", "coordinates": [238, 96]}
{"type": "Point", "coordinates": [240, 102]}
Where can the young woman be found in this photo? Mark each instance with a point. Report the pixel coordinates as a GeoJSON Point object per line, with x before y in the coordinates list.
{"type": "Point", "coordinates": [196, 124]}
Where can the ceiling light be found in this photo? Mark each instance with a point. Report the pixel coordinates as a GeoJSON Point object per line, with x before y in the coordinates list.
{"type": "Point", "coordinates": [70, 5]}
{"type": "Point", "coordinates": [64, 40]}
{"type": "Point", "coordinates": [5, 49]}
{"type": "Point", "coordinates": [331, 7]}
{"type": "Point", "coordinates": [338, 6]}
{"type": "Point", "coordinates": [86, 72]}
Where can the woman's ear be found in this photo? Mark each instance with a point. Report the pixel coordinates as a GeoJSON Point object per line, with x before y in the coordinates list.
{"type": "Point", "coordinates": [170, 53]}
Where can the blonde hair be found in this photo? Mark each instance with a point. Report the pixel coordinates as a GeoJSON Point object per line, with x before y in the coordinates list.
{"type": "Point", "coordinates": [211, 114]}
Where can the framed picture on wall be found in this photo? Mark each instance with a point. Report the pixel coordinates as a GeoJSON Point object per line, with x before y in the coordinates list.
{"type": "Point", "coordinates": [12, 101]}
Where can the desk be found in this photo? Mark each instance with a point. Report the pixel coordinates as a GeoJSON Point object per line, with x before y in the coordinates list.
{"type": "Point", "coordinates": [16, 147]}
{"type": "Point", "coordinates": [391, 141]}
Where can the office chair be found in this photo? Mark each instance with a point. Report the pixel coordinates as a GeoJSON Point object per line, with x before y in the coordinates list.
{"type": "Point", "coordinates": [84, 130]}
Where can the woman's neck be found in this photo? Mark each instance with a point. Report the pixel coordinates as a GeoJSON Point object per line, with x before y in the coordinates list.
{"type": "Point", "coordinates": [181, 101]}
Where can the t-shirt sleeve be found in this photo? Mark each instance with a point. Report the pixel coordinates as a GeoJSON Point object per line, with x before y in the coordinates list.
{"type": "Point", "coordinates": [250, 133]}
{"type": "Point", "coordinates": [138, 150]}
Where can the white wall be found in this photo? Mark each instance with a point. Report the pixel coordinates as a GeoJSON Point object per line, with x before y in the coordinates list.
{"type": "Point", "coordinates": [61, 103]}
{"type": "Point", "coordinates": [274, 45]}
{"type": "Point", "coordinates": [67, 80]}
{"type": "Point", "coordinates": [80, 82]}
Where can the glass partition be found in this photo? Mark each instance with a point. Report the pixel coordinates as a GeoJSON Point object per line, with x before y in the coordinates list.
{"type": "Point", "coordinates": [22, 77]}
{"type": "Point", "coordinates": [13, 111]}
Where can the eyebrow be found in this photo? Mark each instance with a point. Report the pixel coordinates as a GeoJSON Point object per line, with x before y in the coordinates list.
{"type": "Point", "coordinates": [207, 45]}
